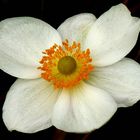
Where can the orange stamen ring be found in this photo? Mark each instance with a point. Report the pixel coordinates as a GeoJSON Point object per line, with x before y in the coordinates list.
{"type": "Point", "coordinates": [53, 56]}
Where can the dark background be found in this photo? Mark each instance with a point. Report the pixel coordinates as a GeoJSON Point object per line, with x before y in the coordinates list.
{"type": "Point", "coordinates": [126, 122]}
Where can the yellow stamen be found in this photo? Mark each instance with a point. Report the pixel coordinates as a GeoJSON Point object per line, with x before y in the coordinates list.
{"type": "Point", "coordinates": [65, 66]}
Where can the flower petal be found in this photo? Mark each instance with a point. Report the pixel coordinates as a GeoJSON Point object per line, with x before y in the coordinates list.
{"type": "Point", "coordinates": [28, 106]}
{"type": "Point", "coordinates": [76, 27]}
{"type": "Point", "coordinates": [113, 35]}
{"type": "Point", "coordinates": [121, 80]}
{"type": "Point", "coordinates": [22, 41]}
{"type": "Point", "coordinates": [83, 109]}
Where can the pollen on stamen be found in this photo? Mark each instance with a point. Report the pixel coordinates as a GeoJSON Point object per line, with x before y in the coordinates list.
{"type": "Point", "coordinates": [65, 66]}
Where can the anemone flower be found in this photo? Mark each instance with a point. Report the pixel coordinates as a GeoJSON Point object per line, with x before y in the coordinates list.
{"type": "Point", "coordinates": [73, 78]}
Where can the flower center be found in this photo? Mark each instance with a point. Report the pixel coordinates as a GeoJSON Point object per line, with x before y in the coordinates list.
{"type": "Point", "coordinates": [65, 66]}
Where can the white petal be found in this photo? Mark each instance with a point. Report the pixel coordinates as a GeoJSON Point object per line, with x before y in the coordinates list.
{"type": "Point", "coordinates": [113, 35]}
{"type": "Point", "coordinates": [82, 109]}
{"type": "Point", "coordinates": [76, 27]}
{"type": "Point", "coordinates": [121, 80]}
{"type": "Point", "coordinates": [28, 106]}
{"type": "Point", "coordinates": [22, 41]}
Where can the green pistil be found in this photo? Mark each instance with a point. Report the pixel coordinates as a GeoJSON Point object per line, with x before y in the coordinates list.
{"type": "Point", "coordinates": [67, 65]}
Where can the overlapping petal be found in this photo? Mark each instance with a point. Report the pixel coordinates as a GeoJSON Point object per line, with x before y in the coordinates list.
{"type": "Point", "coordinates": [76, 27]}
{"type": "Point", "coordinates": [29, 105]}
{"type": "Point", "coordinates": [82, 109]}
{"type": "Point", "coordinates": [113, 35]}
{"type": "Point", "coordinates": [121, 80]}
{"type": "Point", "coordinates": [22, 41]}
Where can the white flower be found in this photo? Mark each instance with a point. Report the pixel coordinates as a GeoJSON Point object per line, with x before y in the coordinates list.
{"type": "Point", "coordinates": [84, 63]}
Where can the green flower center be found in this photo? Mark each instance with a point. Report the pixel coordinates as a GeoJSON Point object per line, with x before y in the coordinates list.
{"type": "Point", "coordinates": [67, 65]}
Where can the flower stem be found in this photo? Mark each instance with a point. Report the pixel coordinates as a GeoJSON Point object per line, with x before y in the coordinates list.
{"type": "Point", "coordinates": [125, 2]}
{"type": "Point", "coordinates": [59, 135]}
{"type": "Point", "coordinates": [86, 136]}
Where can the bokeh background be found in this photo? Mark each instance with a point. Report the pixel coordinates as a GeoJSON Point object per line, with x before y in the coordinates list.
{"type": "Point", "coordinates": [126, 122]}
